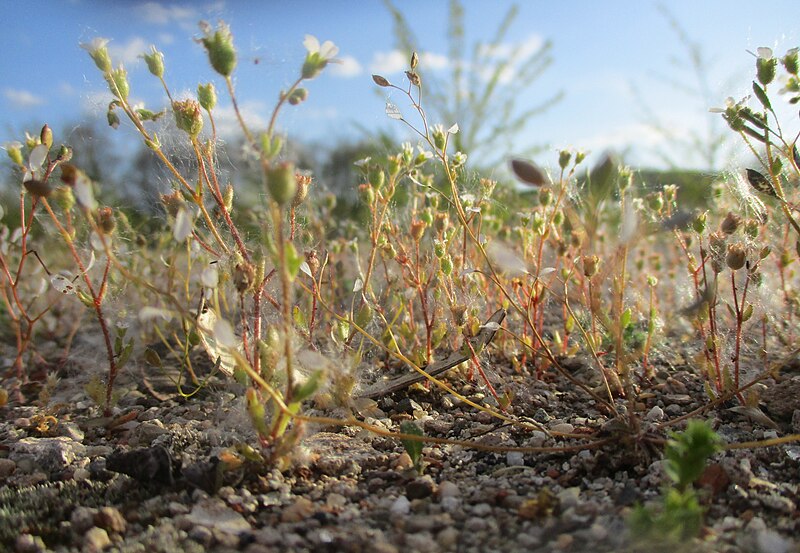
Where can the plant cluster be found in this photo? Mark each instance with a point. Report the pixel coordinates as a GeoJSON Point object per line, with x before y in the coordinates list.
{"type": "Point", "coordinates": [586, 262]}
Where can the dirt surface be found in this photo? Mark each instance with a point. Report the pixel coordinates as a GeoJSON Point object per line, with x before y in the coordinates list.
{"type": "Point", "coordinates": [151, 479]}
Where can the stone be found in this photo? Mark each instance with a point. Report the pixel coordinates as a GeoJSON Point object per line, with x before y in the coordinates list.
{"type": "Point", "coordinates": [26, 543]}
{"type": "Point", "coordinates": [95, 540]}
{"type": "Point", "coordinates": [515, 459]}
{"type": "Point", "coordinates": [110, 519]}
{"type": "Point", "coordinates": [420, 488]}
{"type": "Point", "coordinates": [448, 489]}
{"type": "Point", "coordinates": [300, 510]}
{"type": "Point", "coordinates": [214, 514]}
{"type": "Point", "coordinates": [47, 454]}
{"type": "Point", "coordinates": [7, 468]}
{"type": "Point", "coordinates": [401, 506]}
{"type": "Point", "coordinates": [82, 519]}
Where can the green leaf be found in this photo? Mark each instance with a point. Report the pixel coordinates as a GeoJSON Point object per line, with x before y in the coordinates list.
{"type": "Point", "coordinates": [152, 358]}
{"type": "Point", "coordinates": [310, 386]}
{"type": "Point", "coordinates": [125, 355]}
{"type": "Point", "coordinates": [293, 260]}
{"type": "Point", "coordinates": [412, 447]}
{"type": "Point", "coordinates": [762, 96]}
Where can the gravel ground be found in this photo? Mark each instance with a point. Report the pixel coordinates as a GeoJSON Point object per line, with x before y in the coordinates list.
{"type": "Point", "coordinates": [153, 481]}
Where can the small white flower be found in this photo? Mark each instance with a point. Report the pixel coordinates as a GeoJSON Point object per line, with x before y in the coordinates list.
{"type": "Point", "coordinates": [327, 51]}
{"type": "Point", "coordinates": [96, 44]}
{"type": "Point", "coordinates": [764, 53]}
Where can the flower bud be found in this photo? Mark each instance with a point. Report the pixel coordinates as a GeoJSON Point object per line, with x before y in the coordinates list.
{"type": "Point", "coordinates": [243, 276]}
{"type": "Point", "coordinates": [99, 53]}
{"type": "Point", "coordinates": [106, 220]}
{"type": "Point", "coordinates": [736, 257]}
{"type": "Point", "coordinates": [219, 47]}
{"type": "Point", "coordinates": [155, 62]}
{"type": "Point", "coordinates": [227, 197]}
{"type": "Point", "coordinates": [417, 230]}
{"type": "Point", "coordinates": [446, 265]}
{"type": "Point", "coordinates": [545, 196]}
{"type": "Point", "coordinates": [438, 135]}
{"type": "Point", "coordinates": [46, 136]}
{"type": "Point", "coordinates": [790, 61]}
{"type": "Point", "coordinates": [563, 158]}
{"type": "Point", "coordinates": [14, 152]}
{"type": "Point", "coordinates": [414, 60]}
{"type": "Point", "coordinates": [313, 261]}
{"type": "Point", "coordinates": [367, 194]}
{"type": "Point", "coordinates": [730, 224]}
{"type": "Point", "coordinates": [751, 228]}
{"type": "Point", "coordinates": [441, 222]}
{"type": "Point", "coordinates": [64, 197]}
{"type": "Point", "coordinates": [64, 153]}
{"type": "Point", "coordinates": [188, 116]}
{"type": "Point", "coordinates": [579, 157]}
{"type": "Point", "coordinates": [298, 96]}
{"type": "Point", "coordinates": [699, 224]}
{"type": "Point", "coordinates": [117, 80]}
{"type": "Point", "coordinates": [655, 201]}
{"type": "Point", "coordinates": [172, 202]}
{"type": "Point", "coordinates": [281, 183]}
{"type": "Point", "coordinates": [591, 265]}
{"type": "Point", "coordinates": [303, 183]}
{"type": "Point", "coordinates": [207, 96]}
{"type": "Point", "coordinates": [377, 177]}
{"type": "Point", "coordinates": [112, 118]}
{"type": "Point", "coordinates": [765, 66]}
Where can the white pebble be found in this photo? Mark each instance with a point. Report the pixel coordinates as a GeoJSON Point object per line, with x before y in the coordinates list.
{"type": "Point", "coordinates": [401, 506]}
{"type": "Point", "coordinates": [515, 459]}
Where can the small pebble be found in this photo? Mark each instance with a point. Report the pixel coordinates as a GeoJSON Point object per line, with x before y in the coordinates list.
{"type": "Point", "coordinates": [7, 468]}
{"type": "Point", "coordinates": [110, 519]}
{"type": "Point", "coordinates": [448, 538]}
{"type": "Point", "coordinates": [448, 489]}
{"type": "Point", "coordinates": [401, 506]}
{"type": "Point", "coordinates": [655, 414]}
{"type": "Point", "coordinates": [95, 540]}
{"type": "Point", "coordinates": [515, 459]}
{"type": "Point", "coordinates": [26, 543]}
{"type": "Point", "coordinates": [564, 428]}
{"type": "Point", "coordinates": [420, 488]}
{"type": "Point", "coordinates": [201, 535]}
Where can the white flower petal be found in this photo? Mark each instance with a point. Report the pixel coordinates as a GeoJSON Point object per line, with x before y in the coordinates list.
{"type": "Point", "coordinates": [328, 50]}
{"type": "Point", "coordinates": [453, 129]}
{"type": "Point", "coordinates": [311, 43]}
{"type": "Point", "coordinates": [37, 157]}
{"type": "Point", "coordinates": [223, 332]}
{"type": "Point", "coordinates": [305, 269]}
{"type": "Point", "coordinates": [764, 53]}
{"type": "Point", "coordinates": [359, 284]}
{"type": "Point", "coordinates": [62, 284]}
{"type": "Point", "coordinates": [210, 276]}
{"type": "Point", "coordinates": [149, 313]}
{"type": "Point", "coordinates": [183, 225]}
{"type": "Point", "coordinates": [83, 192]}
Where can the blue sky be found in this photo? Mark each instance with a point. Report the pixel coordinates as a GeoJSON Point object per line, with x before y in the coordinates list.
{"type": "Point", "coordinates": [602, 51]}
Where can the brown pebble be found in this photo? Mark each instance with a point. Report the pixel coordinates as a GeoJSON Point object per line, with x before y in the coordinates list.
{"type": "Point", "coordinates": [110, 519]}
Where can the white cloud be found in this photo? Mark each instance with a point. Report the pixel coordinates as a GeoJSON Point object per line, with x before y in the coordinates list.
{"type": "Point", "coordinates": [395, 61]}
{"type": "Point", "coordinates": [128, 52]}
{"type": "Point", "coordinates": [19, 98]}
{"type": "Point", "coordinates": [434, 62]}
{"type": "Point", "coordinates": [347, 67]}
{"type": "Point", "coordinates": [520, 50]}
{"type": "Point", "coordinates": [166, 38]}
{"type": "Point", "coordinates": [160, 14]}
{"type": "Point", "coordinates": [66, 89]}
{"type": "Point", "coordinates": [388, 63]}
{"type": "Point", "coordinates": [254, 113]}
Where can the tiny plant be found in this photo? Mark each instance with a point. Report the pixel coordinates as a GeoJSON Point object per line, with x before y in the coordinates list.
{"type": "Point", "coordinates": [680, 516]}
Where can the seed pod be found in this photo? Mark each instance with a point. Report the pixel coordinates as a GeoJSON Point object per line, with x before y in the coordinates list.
{"type": "Point", "coordinates": [736, 257]}
{"type": "Point", "coordinates": [39, 188]}
{"type": "Point", "coordinates": [188, 116]}
{"type": "Point", "coordinates": [155, 62]}
{"type": "Point", "coordinates": [207, 96]}
{"type": "Point", "coordinates": [591, 265]}
{"type": "Point", "coordinates": [760, 182]}
{"type": "Point", "coordinates": [730, 224]}
{"type": "Point", "coordinates": [381, 81]}
{"type": "Point", "coordinates": [528, 173]}
{"type": "Point", "coordinates": [281, 183]}
{"type": "Point", "coordinates": [303, 183]}
{"type": "Point", "coordinates": [106, 220]}
{"type": "Point", "coordinates": [220, 49]}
